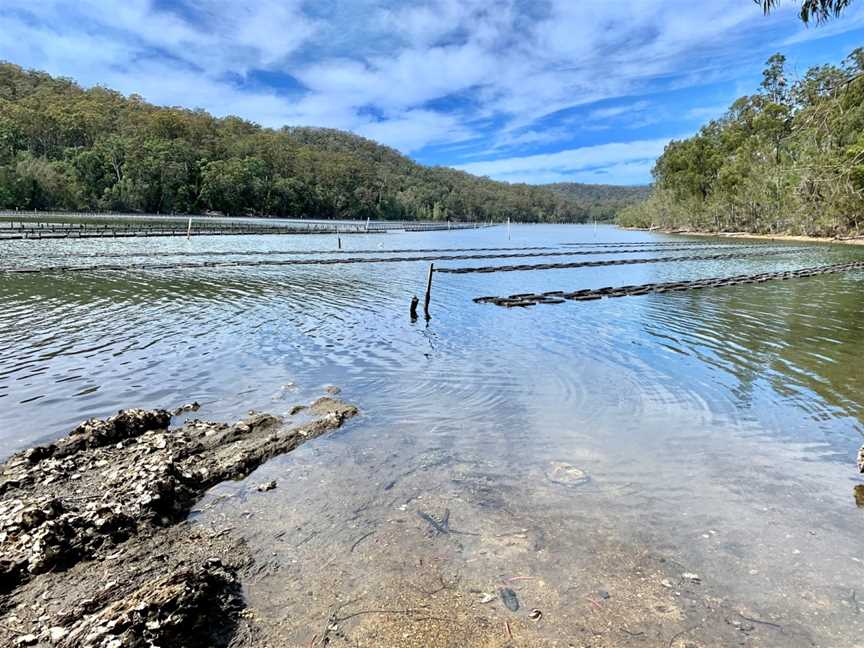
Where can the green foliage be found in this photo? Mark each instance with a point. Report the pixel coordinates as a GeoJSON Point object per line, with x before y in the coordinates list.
{"type": "Point", "coordinates": [62, 147]}
{"type": "Point", "coordinates": [789, 159]}
{"type": "Point", "coordinates": [601, 202]}
{"type": "Point", "coordinates": [232, 186]}
{"type": "Point", "coordinates": [818, 10]}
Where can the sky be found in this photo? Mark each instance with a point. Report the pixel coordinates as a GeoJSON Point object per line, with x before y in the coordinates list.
{"type": "Point", "coordinates": [523, 91]}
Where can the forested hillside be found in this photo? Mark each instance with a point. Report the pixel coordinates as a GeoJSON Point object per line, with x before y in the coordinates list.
{"type": "Point", "coordinates": [63, 147]}
{"type": "Point", "coordinates": [788, 159]}
{"type": "Point", "coordinates": [603, 202]}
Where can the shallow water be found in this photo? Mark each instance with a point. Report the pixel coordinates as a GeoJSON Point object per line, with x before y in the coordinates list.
{"type": "Point", "coordinates": [718, 428]}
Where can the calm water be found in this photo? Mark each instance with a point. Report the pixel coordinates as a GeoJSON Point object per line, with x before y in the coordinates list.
{"type": "Point", "coordinates": [718, 428]}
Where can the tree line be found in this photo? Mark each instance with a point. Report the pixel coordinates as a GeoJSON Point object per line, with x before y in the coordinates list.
{"type": "Point", "coordinates": [603, 202]}
{"type": "Point", "coordinates": [787, 159]}
{"type": "Point", "coordinates": [65, 147]}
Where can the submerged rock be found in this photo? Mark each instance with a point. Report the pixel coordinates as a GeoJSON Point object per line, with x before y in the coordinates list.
{"type": "Point", "coordinates": [509, 598]}
{"type": "Point", "coordinates": [189, 407]}
{"type": "Point", "coordinates": [858, 492]}
{"type": "Point", "coordinates": [693, 578]}
{"type": "Point", "coordinates": [566, 474]}
{"type": "Point", "coordinates": [267, 486]}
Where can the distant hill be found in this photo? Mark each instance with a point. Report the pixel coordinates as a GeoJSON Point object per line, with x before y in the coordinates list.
{"type": "Point", "coordinates": [64, 147]}
{"type": "Point", "coordinates": [601, 202]}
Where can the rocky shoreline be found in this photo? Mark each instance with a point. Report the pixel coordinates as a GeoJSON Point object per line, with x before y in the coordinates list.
{"type": "Point", "coordinates": [792, 238]}
{"type": "Point", "coordinates": [95, 546]}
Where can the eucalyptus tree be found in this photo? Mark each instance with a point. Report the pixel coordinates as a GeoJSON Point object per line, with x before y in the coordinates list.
{"type": "Point", "coordinates": [815, 10]}
{"type": "Point", "coordinates": [786, 159]}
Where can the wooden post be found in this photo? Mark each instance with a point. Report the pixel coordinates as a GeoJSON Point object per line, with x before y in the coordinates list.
{"type": "Point", "coordinates": [189, 229]}
{"type": "Point", "coordinates": [508, 229]}
{"type": "Point", "coordinates": [414, 303]}
{"type": "Point", "coordinates": [428, 297]}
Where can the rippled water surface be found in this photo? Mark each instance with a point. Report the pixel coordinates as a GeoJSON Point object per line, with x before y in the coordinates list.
{"type": "Point", "coordinates": [717, 428]}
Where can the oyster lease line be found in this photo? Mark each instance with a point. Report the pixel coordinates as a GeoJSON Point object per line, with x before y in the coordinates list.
{"type": "Point", "coordinates": [216, 253]}
{"type": "Point", "coordinates": [329, 261]}
{"type": "Point", "coordinates": [611, 262]}
{"type": "Point", "coordinates": [560, 296]}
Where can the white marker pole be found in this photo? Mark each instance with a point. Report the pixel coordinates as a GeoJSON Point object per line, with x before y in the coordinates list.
{"type": "Point", "coordinates": [189, 229]}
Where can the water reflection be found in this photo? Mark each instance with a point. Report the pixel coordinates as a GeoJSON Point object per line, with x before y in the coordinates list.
{"type": "Point", "coordinates": [800, 343]}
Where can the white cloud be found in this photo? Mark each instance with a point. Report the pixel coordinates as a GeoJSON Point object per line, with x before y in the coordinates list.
{"type": "Point", "coordinates": [625, 173]}
{"type": "Point", "coordinates": [411, 78]}
{"type": "Point", "coordinates": [413, 129]}
{"type": "Point", "coordinates": [703, 113]}
{"type": "Point", "coordinates": [530, 137]}
{"type": "Point", "coordinates": [615, 111]}
{"type": "Point", "coordinates": [616, 162]}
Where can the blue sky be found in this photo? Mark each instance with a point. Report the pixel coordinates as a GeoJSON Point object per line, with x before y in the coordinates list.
{"type": "Point", "coordinates": [534, 91]}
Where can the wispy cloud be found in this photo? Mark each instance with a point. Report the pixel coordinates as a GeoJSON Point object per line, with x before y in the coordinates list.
{"type": "Point", "coordinates": [615, 111]}
{"type": "Point", "coordinates": [617, 162]}
{"type": "Point", "coordinates": [703, 113]}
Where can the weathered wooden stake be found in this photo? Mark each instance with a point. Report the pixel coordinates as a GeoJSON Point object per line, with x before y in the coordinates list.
{"type": "Point", "coordinates": [428, 291]}
{"type": "Point", "coordinates": [414, 303]}
{"type": "Point", "coordinates": [189, 229]}
{"type": "Point", "coordinates": [508, 229]}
